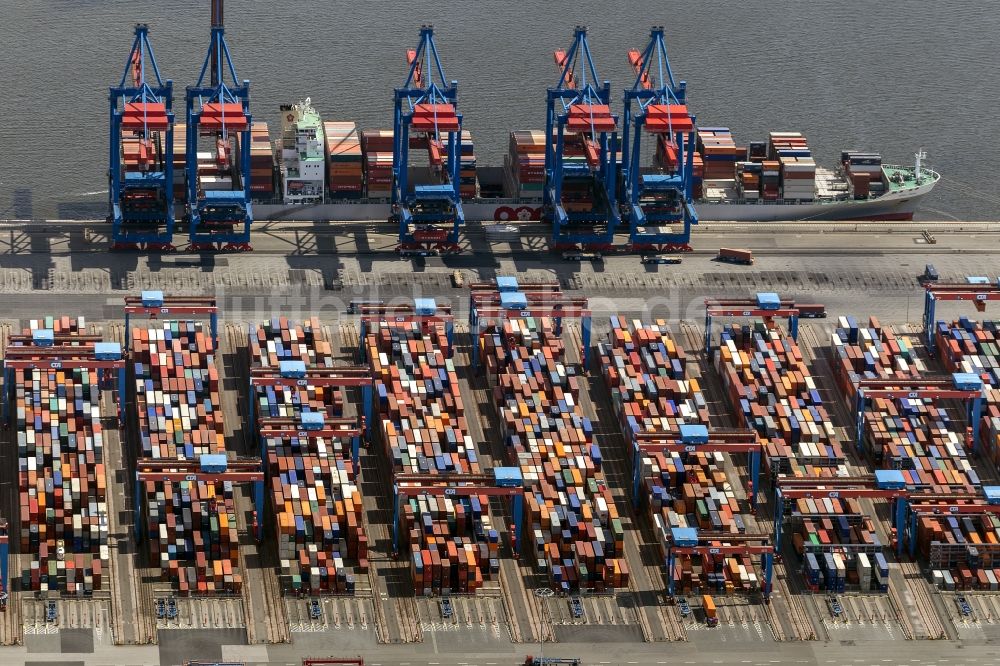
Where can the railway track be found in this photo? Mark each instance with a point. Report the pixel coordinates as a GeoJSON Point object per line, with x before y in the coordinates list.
{"type": "Point", "coordinates": [518, 601]}
{"type": "Point", "coordinates": [394, 588]}
{"type": "Point", "coordinates": [782, 592]}
{"type": "Point", "coordinates": [128, 574]}
{"type": "Point", "coordinates": [647, 582]}
{"type": "Point", "coordinates": [914, 596]}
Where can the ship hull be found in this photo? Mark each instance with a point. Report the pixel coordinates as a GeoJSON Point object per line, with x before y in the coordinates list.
{"type": "Point", "coordinates": [891, 206]}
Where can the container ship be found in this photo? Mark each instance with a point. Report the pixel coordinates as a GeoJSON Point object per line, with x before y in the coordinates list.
{"type": "Point", "coordinates": [777, 179]}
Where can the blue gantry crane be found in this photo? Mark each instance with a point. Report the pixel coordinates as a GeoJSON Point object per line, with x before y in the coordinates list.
{"type": "Point", "coordinates": [140, 173]}
{"type": "Point", "coordinates": [580, 153]}
{"type": "Point", "coordinates": [218, 112]}
{"type": "Point", "coordinates": [687, 541]}
{"type": "Point", "coordinates": [658, 200]}
{"type": "Point", "coordinates": [426, 114]}
{"type": "Point", "coordinates": [978, 289]}
{"type": "Point", "coordinates": [501, 482]}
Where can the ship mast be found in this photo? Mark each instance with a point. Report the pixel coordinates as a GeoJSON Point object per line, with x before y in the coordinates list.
{"type": "Point", "coordinates": [920, 156]}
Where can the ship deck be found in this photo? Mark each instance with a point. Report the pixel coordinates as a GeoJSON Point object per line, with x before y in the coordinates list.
{"type": "Point", "coordinates": [893, 186]}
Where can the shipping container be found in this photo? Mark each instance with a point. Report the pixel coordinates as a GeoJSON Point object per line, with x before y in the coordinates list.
{"type": "Point", "coordinates": [735, 256]}
{"type": "Point", "coordinates": [574, 532]}
{"type": "Point", "coordinates": [316, 501]}
{"type": "Point", "coordinates": [191, 526]}
{"type": "Point", "coordinates": [453, 544]}
{"type": "Point", "coordinates": [62, 479]}
{"type": "Point", "coordinates": [645, 370]}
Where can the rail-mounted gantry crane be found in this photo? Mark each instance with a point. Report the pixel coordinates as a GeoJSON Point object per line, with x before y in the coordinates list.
{"type": "Point", "coordinates": [581, 146]}
{"type": "Point", "coordinates": [658, 200]}
{"type": "Point", "coordinates": [141, 159]}
{"type": "Point", "coordinates": [218, 123]}
{"type": "Point", "coordinates": [426, 115]}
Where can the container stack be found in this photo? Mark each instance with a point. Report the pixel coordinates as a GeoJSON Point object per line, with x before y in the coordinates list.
{"type": "Point", "coordinates": [576, 535]}
{"type": "Point", "coordinates": [191, 525]}
{"type": "Point", "coordinates": [345, 175]}
{"type": "Point", "coordinates": [838, 546]}
{"type": "Point", "coordinates": [422, 413]}
{"type": "Point", "coordinates": [215, 166]}
{"type": "Point", "coordinates": [749, 177]}
{"type": "Point", "coordinates": [871, 352]}
{"type": "Point", "coordinates": [798, 168]}
{"type": "Point", "coordinates": [453, 543]}
{"type": "Point", "coordinates": [963, 551]}
{"type": "Point", "coordinates": [261, 161]}
{"type": "Point", "coordinates": [837, 572]}
{"type": "Point", "coordinates": [863, 172]}
{"type": "Point", "coordinates": [645, 371]}
{"type": "Point", "coordinates": [719, 152]}
{"type": "Point", "coordinates": [914, 435]}
{"type": "Point", "coordinates": [667, 158]}
{"type": "Point", "coordinates": [61, 477]}
{"type": "Point", "coordinates": [454, 547]}
{"type": "Point", "coordinates": [770, 180]}
{"type": "Point", "coordinates": [578, 184]}
{"type": "Point", "coordinates": [697, 176]}
{"type": "Point", "coordinates": [969, 346]}
{"type": "Point", "coordinates": [376, 146]}
{"type": "Point", "coordinates": [314, 492]}
{"type": "Point", "coordinates": [768, 383]}
{"type": "Point", "coordinates": [177, 388]}
{"type": "Point", "coordinates": [525, 164]}
{"type": "Point", "coordinates": [180, 162]}
{"type": "Point", "coordinates": [468, 182]}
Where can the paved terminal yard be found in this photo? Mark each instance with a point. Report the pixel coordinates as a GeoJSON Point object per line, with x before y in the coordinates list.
{"type": "Point", "coordinates": [301, 270]}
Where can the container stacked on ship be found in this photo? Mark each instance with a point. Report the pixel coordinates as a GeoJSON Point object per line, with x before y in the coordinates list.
{"type": "Point", "coordinates": [453, 545]}
{"type": "Point", "coordinates": [524, 164]}
{"type": "Point", "coordinates": [191, 525]}
{"type": "Point", "coordinates": [311, 473]}
{"type": "Point", "coordinates": [646, 371]}
{"type": "Point", "coordinates": [61, 474]}
{"type": "Point", "coordinates": [345, 163]}
{"type": "Point", "coordinates": [573, 528]}
{"type": "Point", "coordinates": [376, 146]}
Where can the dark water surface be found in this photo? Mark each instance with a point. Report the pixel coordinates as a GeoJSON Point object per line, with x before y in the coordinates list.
{"type": "Point", "coordinates": [889, 77]}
